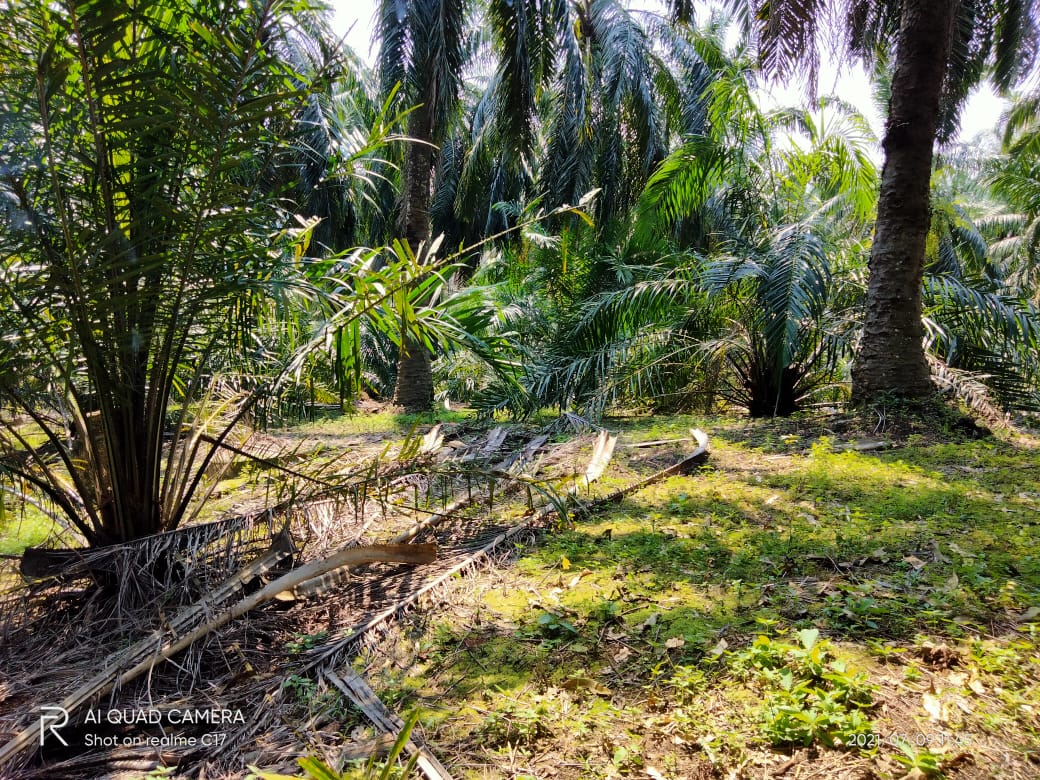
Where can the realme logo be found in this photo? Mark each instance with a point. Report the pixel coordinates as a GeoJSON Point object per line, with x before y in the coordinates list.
{"type": "Point", "coordinates": [52, 719]}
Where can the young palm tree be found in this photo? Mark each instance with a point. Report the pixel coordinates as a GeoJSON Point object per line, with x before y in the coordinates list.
{"type": "Point", "coordinates": [143, 231]}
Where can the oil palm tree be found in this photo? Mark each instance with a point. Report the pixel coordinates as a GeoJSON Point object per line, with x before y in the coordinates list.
{"type": "Point", "coordinates": [423, 48]}
{"type": "Point", "coordinates": [1015, 178]}
{"type": "Point", "coordinates": [143, 231]}
{"type": "Point", "coordinates": [941, 49]}
{"type": "Point", "coordinates": [590, 66]}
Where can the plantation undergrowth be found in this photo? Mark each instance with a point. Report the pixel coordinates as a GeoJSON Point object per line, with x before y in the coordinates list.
{"type": "Point", "coordinates": [809, 604]}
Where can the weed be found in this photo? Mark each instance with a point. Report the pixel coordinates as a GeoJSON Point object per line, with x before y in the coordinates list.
{"type": "Point", "coordinates": [316, 769]}
{"type": "Point", "coordinates": [811, 696]}
{"type": "Point", "coordinates": [923, 760]}
{"type": "Point", "coordinates": [688, 682]}
{"type": "Point", "coordinates": [553, 626]}
{"type": "Point", "coordinates": [304, 642]}
{"type": "Point", "coordinates": [304, 693]}
{"type": "Point", "coordinates": [516, 723]}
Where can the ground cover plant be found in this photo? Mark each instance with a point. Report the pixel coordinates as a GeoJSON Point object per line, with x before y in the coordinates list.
{"type": "Point", "coordinates": [797, 606]}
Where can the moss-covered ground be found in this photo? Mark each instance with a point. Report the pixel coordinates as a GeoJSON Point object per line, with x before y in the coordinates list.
{"type": "Point", "coordinates": [808, 604]}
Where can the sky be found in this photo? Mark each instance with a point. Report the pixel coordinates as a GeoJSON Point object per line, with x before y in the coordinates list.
{"type": "Point", "coordinates": [354, 19]}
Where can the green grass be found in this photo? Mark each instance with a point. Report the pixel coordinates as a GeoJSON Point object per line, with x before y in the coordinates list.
{"type": "Point", "coordinates": [26, 527]}
{"type": "Point", "coordinates": [378, 422]}
{"type": "Point", "coordinates": [643, 619]}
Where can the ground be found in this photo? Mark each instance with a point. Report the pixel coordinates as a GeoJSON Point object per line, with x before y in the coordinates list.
{"type": "Point", "coordinates": [829, 596]}
{"type": "Point", "coordinates": [803, 606]}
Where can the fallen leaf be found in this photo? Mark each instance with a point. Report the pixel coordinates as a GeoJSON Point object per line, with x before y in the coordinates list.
{"type": "Point", "coordinates": [586, 684]}
{"type": "Point", "coordinates": [977, 686]}
{"type": "Point", "coordinates": [809, 637]}
{"type": "Point", "coordinates": [914, 561]}
{"type": "Point", "coordinates": [963, 553]}
{"type": "Point", "coordinates": [951, 584]}
{"type": "Point", "coordinates": [957, 678]}
{"type": "Point", "coordinates": [674, 642]}
{"type": "Point", "coordinates": [651, 772]}
{"type": "Point", "coordinates": [932, 705]}
{"type": "Point", "coordinates": [937, 555]}
{"type": "Point", "coordinates": [564, 563]}
{"type": "Point", "coordinates": [623, 655]}
{"type": "Point", "coordinates": [650, 622]}
{"type": "Point", "coordinates": [719, 649]}
{"type": "Point", "coordinates": [1029, 615]}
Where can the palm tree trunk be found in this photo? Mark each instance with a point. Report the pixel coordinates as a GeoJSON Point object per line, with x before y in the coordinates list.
{"type": "Point", "coordinates": [891, 358]}
{"type": "Point", "coordinates": [414, 388]}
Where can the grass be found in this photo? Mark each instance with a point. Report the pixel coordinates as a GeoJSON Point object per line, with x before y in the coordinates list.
{"type": "Point", "coordinates": [872, 613]}
{"type": "Point", "coordinates": [26, 527]}
{"type": "Point", "coordinates": [675, 632]}
{"type": "Point", "coordinates": [381, 422]}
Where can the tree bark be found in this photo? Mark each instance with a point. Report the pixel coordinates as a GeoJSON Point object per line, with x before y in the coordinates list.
{"type": "Point", "coordinates": [891, 357]}
{"type": "Point", "coordinates": [414, 388]}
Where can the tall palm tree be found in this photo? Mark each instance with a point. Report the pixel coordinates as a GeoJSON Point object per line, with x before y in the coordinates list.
{"type": "Point", "coordinates": [942, 48]}
{"type": "Point", "coordinates": [422, 53]}
{"type": "Point", "coordinates": [1015, 178]}
{"type": "Point", "coordinates": [423, 50]}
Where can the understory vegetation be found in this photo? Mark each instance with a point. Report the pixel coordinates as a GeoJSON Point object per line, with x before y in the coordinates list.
{"type": "Point", "coordinates": [796, 601]}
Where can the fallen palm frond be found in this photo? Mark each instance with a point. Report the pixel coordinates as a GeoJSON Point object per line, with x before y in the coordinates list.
{"type": "Point", "coordinates": [602, 453]}
{"type": "Point", "coordinates": [364, 698]}
{"type": "Point", "coordinates": [684, 466]}
{"type": "Point", "coordinates": [430, 444]}
{"type": "Point", "coordinates": [161, 645]}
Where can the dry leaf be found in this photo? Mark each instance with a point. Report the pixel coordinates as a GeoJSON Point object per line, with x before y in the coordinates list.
{"type": "Point", "coordinates": [914, 561]}
{"type": "Point", "coordinates": [651, 772]}
{"type": "Point", "coordinates": [932, 705]}
{"type": "Point", "coordinates": [977, 686]}
{"type": "Point", "coordinates": [1028, 615]}
{"type": "Point", "coordinates": [586, 684]}
{"type": "Point", "coordinates": [674, 642]}
{"type": "Point", "coordinates": [719, 649]}
{"type": "Point", "coordinates": [650, 622]}
{"type": "Point", "coordinates": [623, 655]}
{"type": "Point", "coordinates": [937, 555]}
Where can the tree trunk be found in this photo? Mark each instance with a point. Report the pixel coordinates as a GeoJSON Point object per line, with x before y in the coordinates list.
{"type": "Point", "coordinates": [414, 389]}
{"type": "Point", "coordinates": [891, 358]}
